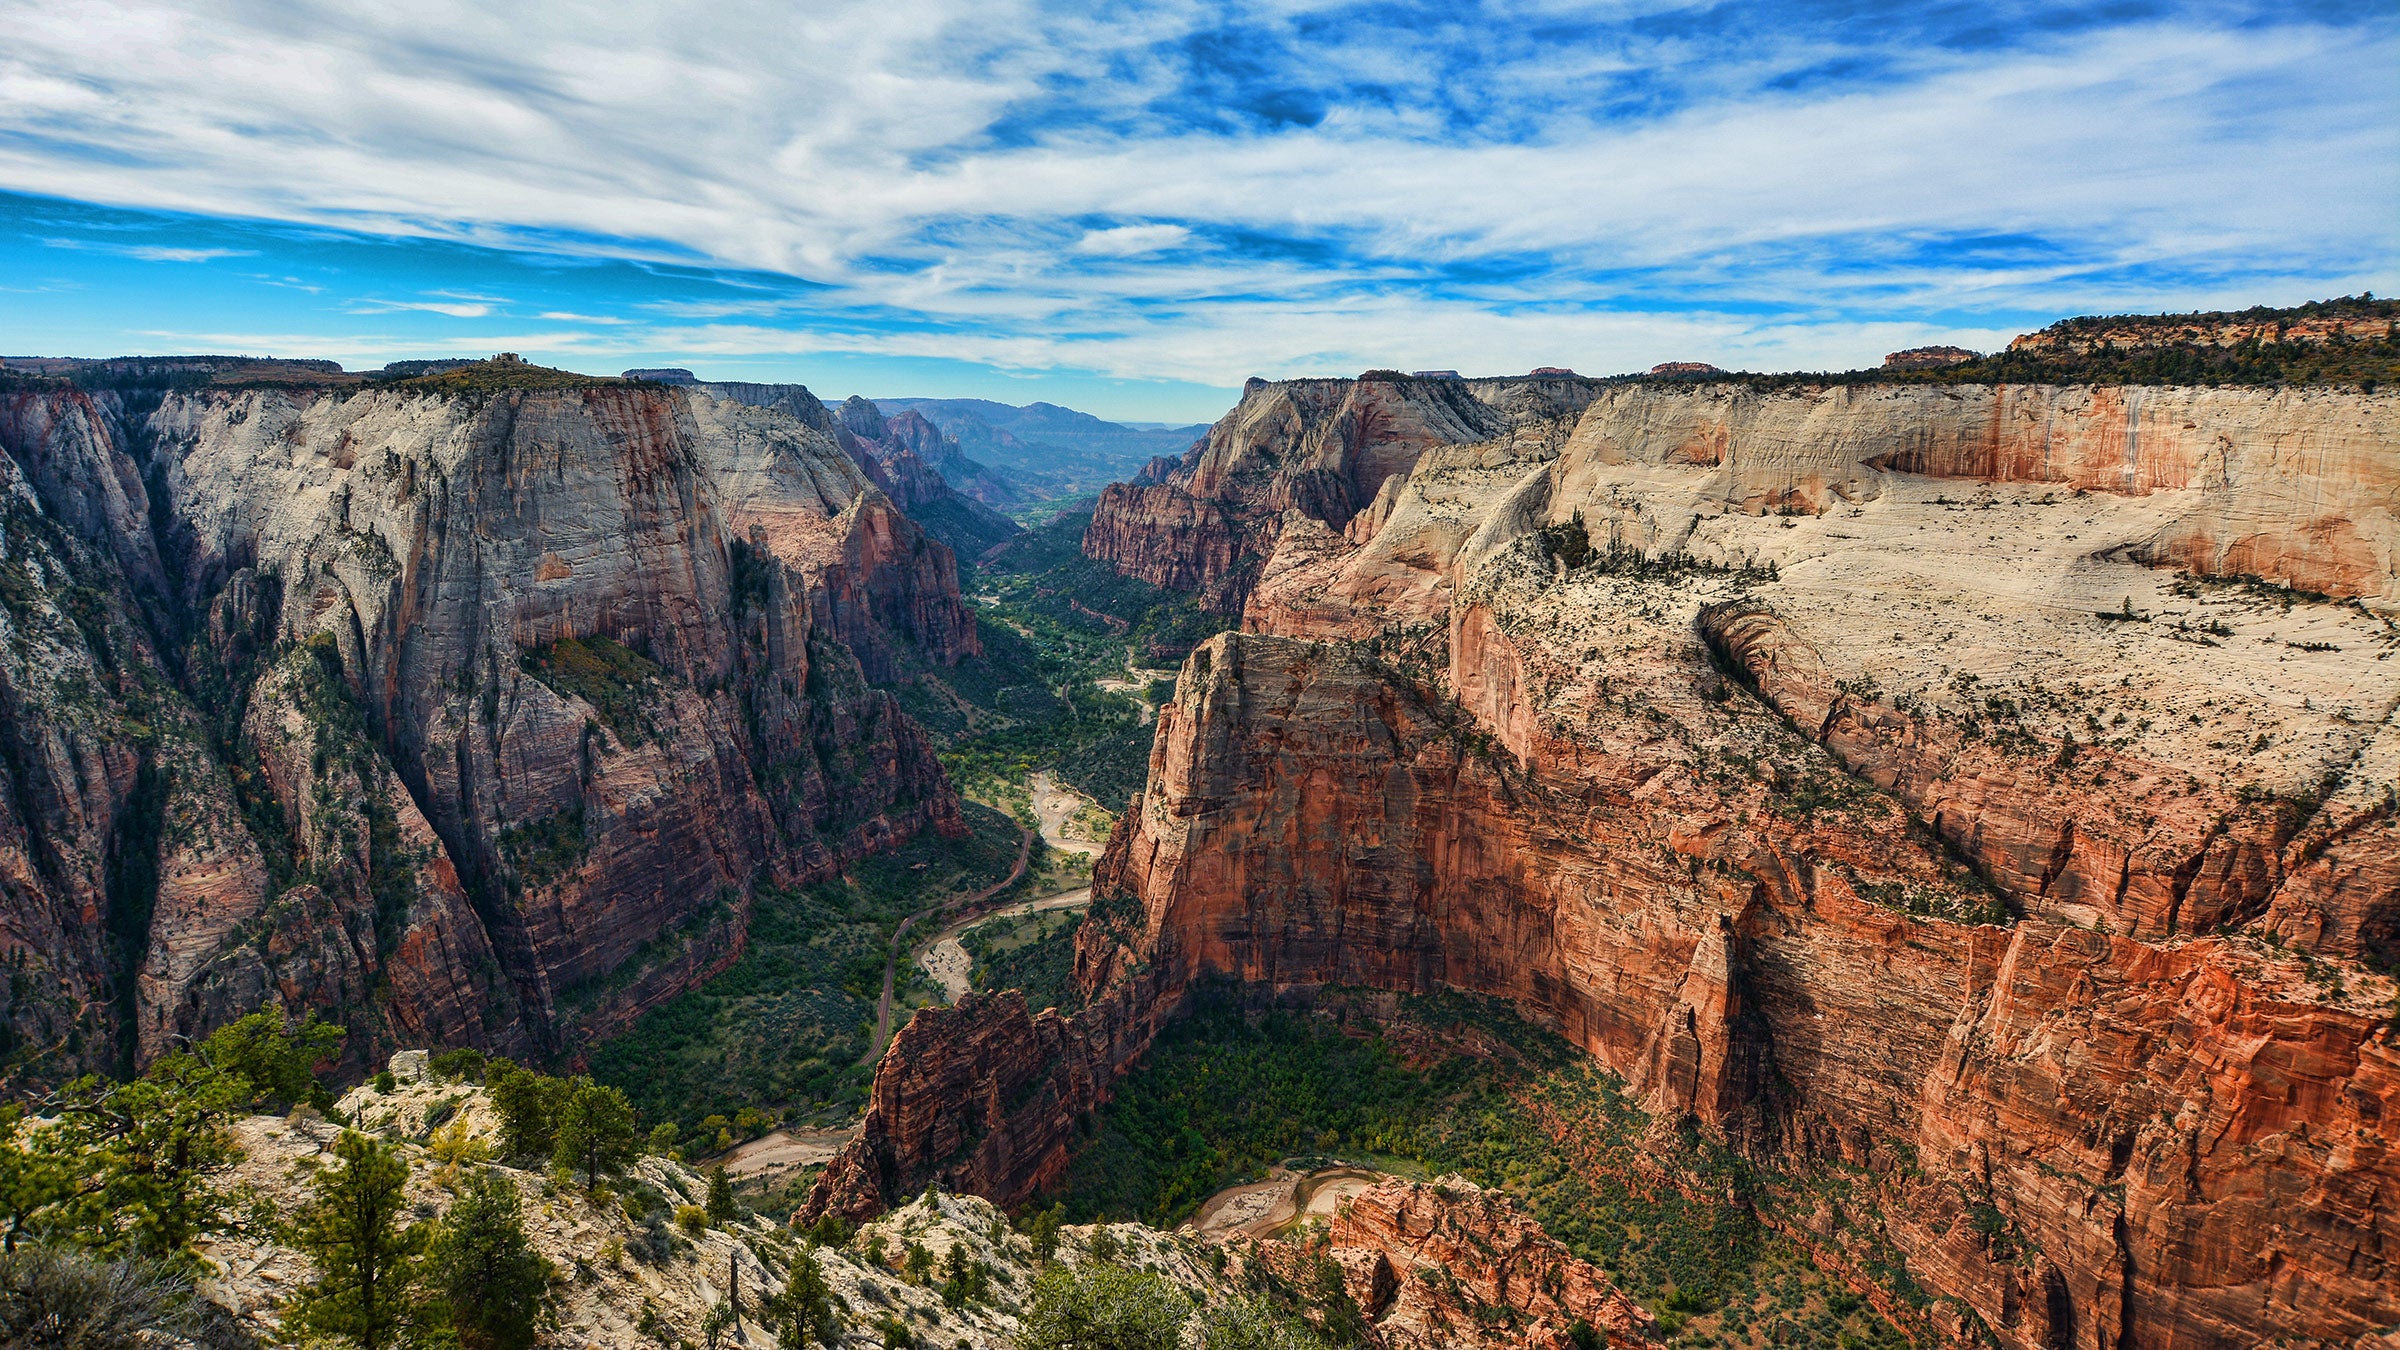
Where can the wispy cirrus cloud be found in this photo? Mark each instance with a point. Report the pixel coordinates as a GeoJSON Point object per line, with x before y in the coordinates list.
{"type": "Point", "coordinates": [1207, 190]}
{"type": "Point", "coordinates": [456, 309]}
{"type": "Point", "coordinates": [159, 253]}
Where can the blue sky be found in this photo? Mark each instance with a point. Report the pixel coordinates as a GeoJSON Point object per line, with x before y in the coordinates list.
{"type": "Point", "coordinates": [1131, 207]}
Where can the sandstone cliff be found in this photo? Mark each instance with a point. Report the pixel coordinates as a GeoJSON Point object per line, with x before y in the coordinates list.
{"type": "Point", "coordinates": [472, 716]}
{"type": "Point", "coordinates": [1308, 824]}
{"type": "Point", "coordinates": [2293, 485]}
{"type": "Point", "coordinates": [1449, 1264]}
{"type": "Point", "coordinates": [906, 457]}
{"type": "Point", "coordinates": [1976, 803]}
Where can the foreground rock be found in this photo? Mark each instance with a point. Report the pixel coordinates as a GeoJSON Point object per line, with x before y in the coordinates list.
{"type": "Point", "coordinates": [1426, 1265]}
{"type": "Point", "coordinates": [631, 1279]}
{"type": "Point", "coordinates": [1450, 1264]}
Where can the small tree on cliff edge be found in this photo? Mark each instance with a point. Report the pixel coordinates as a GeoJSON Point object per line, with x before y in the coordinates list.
{"type": "Point", "coordinates": [529, 1104]}
{"type": "Point", "coordinates": [803, 1313]}
{"type": "Point", "coordinates": [494, 1282]}
{"type": "Point", "coordinates": [368, 1266]}
{"type": "Point", "coordinates": [721, 1205]}
{"type": "Point", "coordinates": [596, 1131]}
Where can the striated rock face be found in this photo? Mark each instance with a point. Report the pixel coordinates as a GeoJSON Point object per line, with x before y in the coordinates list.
{"type": "Point", "coordinates": [983, 1096]}
{"type": "Point", "coordinates": [1431, 1264]}
{"type": "Point", "coordinates": [875, 578]}
{"type": "Point", "coordinates": [2169, 1144]}
{"type": "Point", "coordinates": [471, 719]}
{"type": "Point", "coordinates": [2293, 485]}
{"type": "Point", "coordinates": [906, 458]}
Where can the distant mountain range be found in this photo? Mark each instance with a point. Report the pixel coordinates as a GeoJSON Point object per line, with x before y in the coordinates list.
{"type": "Point", "coordinates": [1049, 451]}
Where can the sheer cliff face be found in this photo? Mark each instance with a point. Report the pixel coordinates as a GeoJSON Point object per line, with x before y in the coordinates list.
{"type": "Point", "coordinates": [1727, 777]}
{"type": "Point", "coordinates": [1882, 779]}
{"type": "Point", "coordinates": [476, 717]}
{"type": "Point", "coordinates": [2083, 1139]}
{"type": "Point", "coordinates": [906, 457]}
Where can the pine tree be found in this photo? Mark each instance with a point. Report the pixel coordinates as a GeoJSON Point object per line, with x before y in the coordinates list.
{"type": "Point", "coordinates": [1103, 1306]}
{"type": "Point", "coordinates": [369, 1268]}
{"type": "Point", "coordinates": [152, 1152]}
{"type": "Point", "coordinates": [529, 1104]}
{"type": "Point", "coordinates": [34, 1174]}
{"type": "Point", "coordinates": [144, 1158]}
{"type": "Point", "coordinates": [720, 1195]}
{"type": "Point", "coordinates": [803, 1312]}
{"type": "Point", "coordinates": [493, 1281]}
{"type": "Point", "coordinates": [596, 1131]}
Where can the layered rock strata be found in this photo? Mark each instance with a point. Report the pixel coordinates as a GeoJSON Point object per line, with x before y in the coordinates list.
{"type": "Point", "coordinates": [472, 718]}
{"type": "Point", "coordinates": [1974, 801]}
{"type": "Point", "coordinates": [1318, 448]}
{"type": "Point", "coordinates": [906, 458]}
{"type": "Point", "coordinates": [1449, 1264]}
{"type": "Point", "coordinates": [2292, 485]}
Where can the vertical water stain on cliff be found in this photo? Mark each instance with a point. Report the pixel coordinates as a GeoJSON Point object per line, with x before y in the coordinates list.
{"type": "Point", "coordinates": [133, 893]}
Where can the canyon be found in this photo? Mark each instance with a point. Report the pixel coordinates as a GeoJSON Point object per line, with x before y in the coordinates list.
{"type": "Point", "coordinates": [1972, 805]}
{"type": "Point", "coordinates": [1968, 813]}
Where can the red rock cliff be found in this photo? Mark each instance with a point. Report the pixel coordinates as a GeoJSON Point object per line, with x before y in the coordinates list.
{"type": "Point", "coordinates": [485, 727]}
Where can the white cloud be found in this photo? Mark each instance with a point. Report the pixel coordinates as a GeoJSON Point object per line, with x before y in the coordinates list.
{"type": "Point", "coordinates": [152, 252]}
{"type": "Point", "coordinates": [1127, 241]}
{"type": "Point", "coordinates": [456, 309]}
{"type": "Point", "coordinates": [851, 143]}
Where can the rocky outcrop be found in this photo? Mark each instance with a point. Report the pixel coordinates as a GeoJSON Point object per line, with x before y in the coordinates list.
{"type": "Point", "coordinates": [1312, 822]}
{"type": "Point", "coordinates": [911, 460]}
{"type": "Point", "coordinates": [876, 579]}
{"type": "Point", "coordinates": [1928, 358]}
{"type": "Point", "coordinates": [494, 707]}
{"type": "Point", "coordinates": [983, 1097]}
{"type": "Point", "coordinates": [1450, 1264]}
{"type": "Point", "coordinates": [1855, 772]}
{"type": "Point", "coordinates": [2349, 319]}
{"type": "Point", "coordinates": [638, 1276]}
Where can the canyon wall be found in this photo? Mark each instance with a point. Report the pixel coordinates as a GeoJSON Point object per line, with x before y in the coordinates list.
{"type": "Point", "coordinates": [469, 718]}
{"type": "Point", "coordinates": [906, 457]}
{"type": "Point", "coordinates": [1974, 804]}
{"type": "Point", "coordinates": [2080, 1139]}
{"type": "Point", "coordinates": [2294, 485]}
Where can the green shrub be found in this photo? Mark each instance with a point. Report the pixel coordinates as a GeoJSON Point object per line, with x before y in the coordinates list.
{"type": "Point", "coordinates": [1103, 1307]}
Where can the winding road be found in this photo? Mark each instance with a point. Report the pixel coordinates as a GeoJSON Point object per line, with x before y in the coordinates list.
{"type": "Point", "coordinates": [891, 958]}
{"type": "Point", "coordinates": [781, 1151]}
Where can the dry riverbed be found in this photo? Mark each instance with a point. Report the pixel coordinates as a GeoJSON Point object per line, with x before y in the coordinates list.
{"type": "Point", "coordinates": [1263, 1209]}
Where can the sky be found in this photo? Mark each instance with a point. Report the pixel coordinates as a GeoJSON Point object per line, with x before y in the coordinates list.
{"type": "Point", "coordinates": [1130, 208]}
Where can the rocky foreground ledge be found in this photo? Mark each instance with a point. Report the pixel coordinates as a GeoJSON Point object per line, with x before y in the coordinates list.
{"type": "Point", "coordinates": [1414, 1265]}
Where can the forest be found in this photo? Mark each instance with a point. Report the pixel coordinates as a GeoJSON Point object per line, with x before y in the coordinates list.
{"type": "Point", "coordinates": [1458, 1084]}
